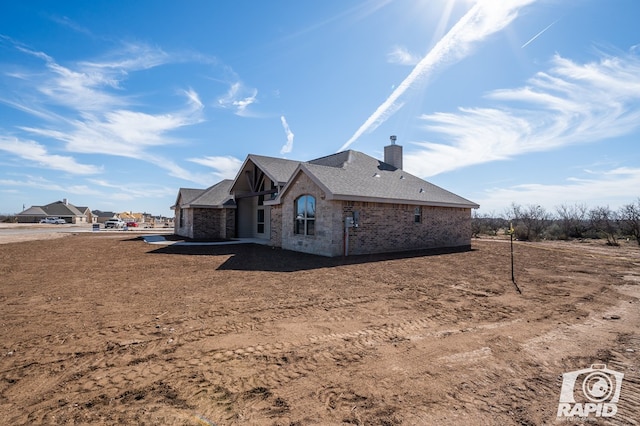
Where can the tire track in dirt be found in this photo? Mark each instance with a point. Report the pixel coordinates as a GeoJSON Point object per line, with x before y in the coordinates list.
{"type": "Point", "coordinates": [149, 333]}
{"type": "Point", "coordinates": [359, 339]}
{"type": "Point", "coordinates": [130, 363]}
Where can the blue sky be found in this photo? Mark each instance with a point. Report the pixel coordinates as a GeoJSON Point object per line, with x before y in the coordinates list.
{"type": "Point", "coordinates": [115, 105]}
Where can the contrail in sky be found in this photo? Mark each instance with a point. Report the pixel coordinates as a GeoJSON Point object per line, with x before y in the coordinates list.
{"type": "Point", "coordinates": [483, 19]}
{"type": "Point", "coordinates": [538, 35]}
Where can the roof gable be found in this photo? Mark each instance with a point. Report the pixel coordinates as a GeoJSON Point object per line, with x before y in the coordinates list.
{"type": "Point", "coordinates": [278, 170]}
{"type": "Point", "coordinates": [185, 195]}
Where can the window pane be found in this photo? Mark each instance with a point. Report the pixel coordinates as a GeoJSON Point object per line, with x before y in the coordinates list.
{"type": "Point", "coordinates": [311, 206]}
{"type": "Point", "coordinates": [261, 228]}
{"type": "Point", "coordinates": [260, 216]}
{"type": "Point", "coordinates": [311, 224]}
{"type": "Point", "coordinates": [300, 207]}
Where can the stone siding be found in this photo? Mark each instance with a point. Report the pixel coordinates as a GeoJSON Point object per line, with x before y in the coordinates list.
{"type": "Point", "coordinates": [276, 226]}
{"type": "Point", "coordinates": [324, 242]}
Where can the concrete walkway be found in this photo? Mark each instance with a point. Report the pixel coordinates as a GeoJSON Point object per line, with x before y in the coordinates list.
{"type": "Point", "coordinates": [161, 240]}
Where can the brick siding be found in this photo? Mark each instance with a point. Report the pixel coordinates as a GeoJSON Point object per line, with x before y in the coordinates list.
{"type": "Point", "coordinates": [207, 224]}
{"type": "Point", "coordinates": [383, 227]}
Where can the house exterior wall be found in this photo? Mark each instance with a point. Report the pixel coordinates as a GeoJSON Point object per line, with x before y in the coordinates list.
{"type": "Point", "coordinates": [392, 227]}
{"type": "Point", "coordinates": [213, 224]}
{"type": "Point", "coordinates": [184, 217]}
{"type": "Point", "coordinates": [383, 227]}
{"type": "Point", "coordinates": [326, 240]}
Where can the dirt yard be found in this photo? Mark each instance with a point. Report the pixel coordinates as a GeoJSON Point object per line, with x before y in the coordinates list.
{"type": "Point", "coordinates": [106, 329]}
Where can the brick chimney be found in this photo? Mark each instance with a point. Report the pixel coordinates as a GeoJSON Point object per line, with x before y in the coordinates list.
{"type": "Point", "coordinates": [393, 153]}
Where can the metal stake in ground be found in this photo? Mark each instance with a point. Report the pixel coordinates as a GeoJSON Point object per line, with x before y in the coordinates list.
{"type": "Point", "coordinates": [513, 278]}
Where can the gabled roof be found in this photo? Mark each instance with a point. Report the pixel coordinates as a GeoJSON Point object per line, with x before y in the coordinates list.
{"type": "Point", "coordinates": [58, 208]}
{"type": "Point", "coordinates": [33, 211]}
{"type": "Point", "coordinates": [278, 170]}
{"type": "Point", "coordinates": [216, 196]}
{"type": "Point", "coordinates": [352, 175]}
{"type": "Point", "coordinates": [185, 195]}
{"type": "Point", "coordinates": [101, 214]}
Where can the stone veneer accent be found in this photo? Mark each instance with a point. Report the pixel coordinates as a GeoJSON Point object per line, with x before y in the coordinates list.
{"type": "Point", "coordinates": [276, 226]}
{"type": "Point", "coordinates": [383, 227]}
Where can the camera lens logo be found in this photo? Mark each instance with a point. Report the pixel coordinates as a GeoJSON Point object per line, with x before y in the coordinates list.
{"type": "Point", "coordinates": [597, 387]}
{"type": "Point", "coordinates": [592, 391]}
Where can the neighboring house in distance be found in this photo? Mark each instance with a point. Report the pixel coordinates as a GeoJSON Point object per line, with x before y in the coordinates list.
{"type": "Point", "coordinates": [87, 212]}
{"type": "Point", "coordinates": [345, 203]}
{"type": "Point", "coordinates": [62, 209]}
{"type": "Point", "coordinates": [102, 217]}
{"type": "Point", "coordinates": [139, 218]}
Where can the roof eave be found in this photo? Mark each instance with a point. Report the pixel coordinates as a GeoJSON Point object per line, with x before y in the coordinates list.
{"type": "Point", "coordinates": [206, 206]}
{"type": "Point", "coordinates": [347, 197]}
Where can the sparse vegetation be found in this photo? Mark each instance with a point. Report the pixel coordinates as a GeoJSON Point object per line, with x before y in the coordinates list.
{"type": "Point", "coordinates": [8, 218]}
{"type": "Point", "coordinates": [533, 223]}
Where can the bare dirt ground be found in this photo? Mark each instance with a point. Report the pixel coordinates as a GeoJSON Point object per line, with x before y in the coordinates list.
{"type": "Point", "coordinates": [106, 329]}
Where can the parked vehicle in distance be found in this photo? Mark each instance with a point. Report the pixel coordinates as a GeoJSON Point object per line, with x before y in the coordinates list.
{"type": "Point", "coordinates": [54, 220]}
{"type": "Point", "coordinates": [132, 224]}
{"type": "Point", "coordinates": [115, 223]}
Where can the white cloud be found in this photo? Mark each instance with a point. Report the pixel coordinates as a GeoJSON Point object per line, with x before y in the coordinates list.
{"type": "Point", "coordinates": [238, 98]}
{"type": "Point", "coordinates": [38, 155]}
{"type": "Point", "coordinates": [400, 55]}
{"type": "Point", "coordinates": [570, 104]}
{"type": "Point", "coordinates": [123, 132]}
{"type": "Point", "coordinates": [288, 147]}
{"type": "Point", "coordinates": [482, 20]}
{"type": "Point", "coordinates": [612, 187]}
{"type": "Point", "coordinates": [100, 121]}
{"type": "Point", "coordinates": [134, 191]}
{"type": "Point", "coordinates": [130, 57]}
{"type": "Point", "coordinates": [226, 167]}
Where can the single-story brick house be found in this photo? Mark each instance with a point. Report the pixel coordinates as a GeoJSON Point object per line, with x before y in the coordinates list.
{"type": "Point", "coordinates": [345, 203]}
{"type": "Point", "coordinates": [62, 209]}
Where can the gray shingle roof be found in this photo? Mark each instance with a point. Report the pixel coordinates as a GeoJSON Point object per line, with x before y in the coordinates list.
{"type": "Point", "coordinates": [58, 208]}
{"type": "Point", "coordinates": [185, 195]}
{"type": "Point", "coordinates": [33, 211]}
{"type": "Point", "coordinates": [278, 169]}
{"type": "Point", "coordinates": [352, 175]}
{"type": "Point", "coordinates": [215, 196]}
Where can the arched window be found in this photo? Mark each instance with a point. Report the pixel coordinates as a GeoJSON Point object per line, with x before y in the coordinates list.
{"type": "Point", "coordinates": [305, 215]}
